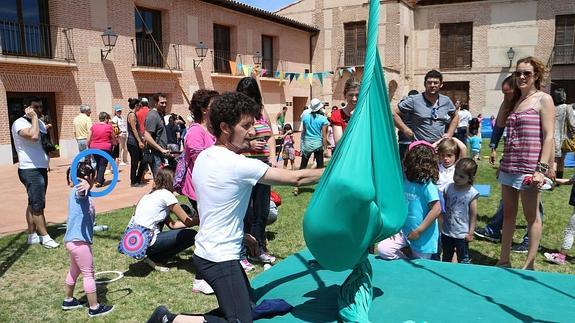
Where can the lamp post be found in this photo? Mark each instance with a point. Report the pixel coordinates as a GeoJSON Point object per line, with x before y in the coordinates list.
{"type": "Point", "coordinates": [510, 56]}
{"type": "Point", "coordinates": [201, 51]}
{"type": "Point", "coordinates": [109, 39]}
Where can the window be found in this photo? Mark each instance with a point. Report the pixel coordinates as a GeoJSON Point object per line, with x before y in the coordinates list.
{"type": "Point", "coordinates": [222, 54]}
{"type": "Point", "coordinates": [456, 91]}
{"type": "Point", "coordinates": [456, 45]}
{"type": "Point", "coordinates": [564, 40]}
{"type": "Point", "coordinates": [148, 27]}
{"type": "Point", "coordinates": [24, 28]}
{"type": "Point", "coordinates": [355, 39]}
{"type": "Point", "coordinates": [268, 55]}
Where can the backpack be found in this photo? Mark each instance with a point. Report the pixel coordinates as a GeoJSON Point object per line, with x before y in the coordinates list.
{"type": "Point", "coordinates": [181, 167]}
{"type": "Point", "coordinates": [115, 129]}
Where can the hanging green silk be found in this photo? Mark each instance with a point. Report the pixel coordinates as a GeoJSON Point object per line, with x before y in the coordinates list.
{"type": "Point", "coordinates": [359, 200]}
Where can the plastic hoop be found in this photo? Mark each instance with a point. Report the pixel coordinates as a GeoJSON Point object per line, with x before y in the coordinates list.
{"type": "Point", "coordinates": [119, 273]}
{"type": "Point", "coordinates": [82, 154]}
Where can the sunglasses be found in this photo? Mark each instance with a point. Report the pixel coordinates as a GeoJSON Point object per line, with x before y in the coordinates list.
{"type": "Point", "coordinates": [527, 74]}
{"type": "Point", "coordinates": [434, 114]}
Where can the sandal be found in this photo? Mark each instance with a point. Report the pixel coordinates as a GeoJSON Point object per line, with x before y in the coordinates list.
{"type": "Point", "coordinates": [295, 191]}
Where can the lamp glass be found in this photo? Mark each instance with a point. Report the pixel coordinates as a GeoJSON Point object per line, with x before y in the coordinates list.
{"type": "Point", "coordinates": [201, 50]}
{"type": "Point", "coordinates": [510, 53]}
{"type": "Point", "coordinates": [109, 38]}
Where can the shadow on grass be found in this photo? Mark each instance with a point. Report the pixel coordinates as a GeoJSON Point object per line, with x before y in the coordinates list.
{"type": "Point", "coordinates": [520, 316]}
{"type": "Point", "coordinates": [481, 259]}
{"type": "Point", "coordinates": [17, 246]}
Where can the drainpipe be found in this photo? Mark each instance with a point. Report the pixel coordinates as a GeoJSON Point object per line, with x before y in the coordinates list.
{"type": "Point", "coordinates": [311, 36]}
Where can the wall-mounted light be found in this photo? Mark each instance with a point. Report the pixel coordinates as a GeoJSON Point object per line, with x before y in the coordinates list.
{"type": "Point", "coordinates": [109, 39]}
{"type": "Point", "coordinates": [201, 51]}
{"type": "Point", "coordinates": [257, 58]}
{"type": "Point", "coordinates": [510, 56]}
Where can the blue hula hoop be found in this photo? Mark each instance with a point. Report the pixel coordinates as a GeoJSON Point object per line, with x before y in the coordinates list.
{"type": "Point", "coordinates": [82, 154]}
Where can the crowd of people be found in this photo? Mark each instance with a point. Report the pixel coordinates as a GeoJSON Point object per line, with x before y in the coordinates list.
{"type": "Point", "coordinates": [224, 162]}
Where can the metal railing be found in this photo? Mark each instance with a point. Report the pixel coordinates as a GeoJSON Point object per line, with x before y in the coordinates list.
{"type": "Point", "coordinates": [36, 40]}
{"type": "Point", "coordinates": [221, 59]}
{"type": "Point", "coordinates": [354, 57]}
{"type": "Point", "coordinates": [147, 54]}
{"type": "Point", "coordinates": [564, 54]}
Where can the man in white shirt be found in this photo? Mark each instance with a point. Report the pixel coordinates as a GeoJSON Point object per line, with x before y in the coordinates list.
{"type": "Point", "coordinates": [223, 180]}
{"type": "Point", "coordinates": [123, 136]}
{"type": "Point", "coordinates": [33, 169]}
{"type": "Point", "coordinates": [464, 118]}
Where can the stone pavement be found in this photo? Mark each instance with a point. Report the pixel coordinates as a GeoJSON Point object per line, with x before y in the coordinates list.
{"type": "Point", "coordinates": [13, 197]}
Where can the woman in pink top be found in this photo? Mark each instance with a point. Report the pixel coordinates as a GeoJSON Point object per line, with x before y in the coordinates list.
{"type": "Point", "coordinates": [528, 152]}
{"type": "Point", "coordinates": [101, 136]}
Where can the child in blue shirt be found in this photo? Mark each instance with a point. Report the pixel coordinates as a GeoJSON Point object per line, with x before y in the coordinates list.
{"type": "Point", "coordinates": [420, 231]}
{"type": "Point", "coordinates": [461, 212]}
{"type": "Point", "coordinates": [78, 242]}
{"type": "Point", "coordinates": [475, 144]}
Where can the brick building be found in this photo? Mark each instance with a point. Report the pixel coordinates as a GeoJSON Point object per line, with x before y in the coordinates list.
{"type": "Point", "coordinates": [468, 40]}
{"type": "Point", "coordinates": [53, 49]}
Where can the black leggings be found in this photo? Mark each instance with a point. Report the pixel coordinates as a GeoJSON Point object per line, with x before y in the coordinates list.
{"type": "Point", "coordinates": [136, 169]}
{"type": "Point", "coordinates": [317, 154]}
{"type": "Point", "coordinates": [232, 288]}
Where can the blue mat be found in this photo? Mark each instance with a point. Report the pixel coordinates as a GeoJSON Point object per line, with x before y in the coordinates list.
{"type": "Point", "coordinates": [423, 291]}
{"type": "Point", "coordinates": [570, 160]}
{"type": "Point", "coordinates": [483, 189]}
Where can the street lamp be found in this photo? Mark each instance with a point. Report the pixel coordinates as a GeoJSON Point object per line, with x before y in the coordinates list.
{"type": "Point", "coordinates": [510, 55]}
{"type": "Point", "coordinates": [109, 39]}
{"type": "Point", "coordinates": [201, 51]}
{"type": "Point", "coordinates": [257, 58]}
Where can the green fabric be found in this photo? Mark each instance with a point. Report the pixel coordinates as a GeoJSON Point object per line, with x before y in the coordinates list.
{"type": "Point", "coordinates": [359, 200]}
{"type": "Point", "coordinates": [422, 291]}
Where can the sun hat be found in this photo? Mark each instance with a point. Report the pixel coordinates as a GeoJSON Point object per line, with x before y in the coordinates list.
{"type": "Point", "coordinates": [117, 107]}
{"type": "Point", "coordinates": [315, 105]}
{"type": "Point", "coordinates": [144, 100]}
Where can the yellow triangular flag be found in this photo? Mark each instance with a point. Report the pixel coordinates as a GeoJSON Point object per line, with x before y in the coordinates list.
{"type": "Point", "coordinates": [246, 70]}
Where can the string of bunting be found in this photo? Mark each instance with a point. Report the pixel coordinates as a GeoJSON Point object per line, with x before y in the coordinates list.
{"type": "Point", "coordinates": [246, 69]}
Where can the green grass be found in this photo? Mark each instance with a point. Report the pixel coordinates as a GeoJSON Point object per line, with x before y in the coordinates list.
{"type": "Point", "coordinates": [31, 278]}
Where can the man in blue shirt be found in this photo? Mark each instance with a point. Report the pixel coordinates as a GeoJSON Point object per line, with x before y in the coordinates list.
{"type": "Point", "coordinates": [430, 113]}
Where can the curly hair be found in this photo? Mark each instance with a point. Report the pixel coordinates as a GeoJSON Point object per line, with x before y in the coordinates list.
{"type": "Point", "coordinates": [201, 100]}
{"type": "Point", "coordinates": [229, 109]}
{"type": "Point", "coordinates": [420, 165]}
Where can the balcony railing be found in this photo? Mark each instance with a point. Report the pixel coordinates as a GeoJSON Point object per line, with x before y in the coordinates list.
{"type": "Point", "coordinates": [354, 57]}
{"type": "Point", "coordinates": [564, 54]}
{"type": "Point", "coordinates": [147, 54]}
{"type": "Point", "coordinates": [36, 40]}
{"type": "Point", "coordinates": [221, 58]}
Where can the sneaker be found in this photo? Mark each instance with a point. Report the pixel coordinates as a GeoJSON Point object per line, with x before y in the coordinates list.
{"type": "Point", "coordinates": [100, 227]}
{"type": "Point", "coordinates": [155, 266]}
{"type": "Point", "coordinates": [107, 172]}
{"type": "Point", "coordinates": [246, 265]}
{"type": "Point", "coordinates": [265, 258]}
{"type": "Point", "coordinates": [556, 258]}
{"type": "Point", "coordinates": [123, 164]}
{"type": "Point", "coordinates": [523, 247]}
{"type": "Point", "coordinates": [160, 315]}
{"type": "Point", "coordinates": [487, 234]}
{"type": "Point", "coordinates": [100, 311]}
{"type": "Point", "coordinates": [73, 304]}
{"type": "Point", "coordinates": [33, 239]}
{"type": "Point", "coordinates": [201, 286]}
{"type": "Point", "coordinates": [49, 243]}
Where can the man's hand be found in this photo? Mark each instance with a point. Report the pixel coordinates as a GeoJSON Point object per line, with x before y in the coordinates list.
{"type": "Point", "coordinates": [252, 244]}
{"type": "Point", "coordinates": [493, 157]}
{"type": "Point", "coordinates": [141, 145]}
{"type": "Point", "coordinates": [446, 136]}
{"type": "Point", "coordinates": [30, 113]}
{"type": "Point", "coordinates": [469, 237]}
{"type": "Point", "coordinates": [408, 133]}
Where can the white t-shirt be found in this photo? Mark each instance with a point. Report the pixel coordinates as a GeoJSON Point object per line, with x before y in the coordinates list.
{"type": "Point", "coordinates": [445, 176]}
{"type": "Point", "coordinates": [153, 209]}
{"type": "Point", "coordinates": [121, 124]}
{"type": "Point", "coordinates": [464, 118]}
{"type": "Point", "coordinates": [30, 153]}
{"type": "Point", "coordinates": [223, 182]}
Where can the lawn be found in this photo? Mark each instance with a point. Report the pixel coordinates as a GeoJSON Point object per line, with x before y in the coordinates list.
{"type": "Point", "coordinates": [31, 278]}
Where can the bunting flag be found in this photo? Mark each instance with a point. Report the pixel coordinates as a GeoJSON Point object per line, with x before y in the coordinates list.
{"type": "Point", "coordinates": [320, 77]}
{"type": "Point", "coordinates": [233, 67]}
{"type": "Point", "coordinates": [246, 70]}
{"type": "Point", "coordinates": [340, 72]}
{"type": "Point", "coordinates": [263, 72]}
{"type": "Point", "coordinates": [310, 78]}
{"type": "Point", "coordinates": [291, 76]}
{"type": "Point", "coordinates": [371, 205]}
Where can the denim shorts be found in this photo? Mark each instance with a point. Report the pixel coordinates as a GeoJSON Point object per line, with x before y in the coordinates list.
{"type": "Point", "coordinates": [36, 182]}
{"type": "Point", "coordinates": [513, 180]}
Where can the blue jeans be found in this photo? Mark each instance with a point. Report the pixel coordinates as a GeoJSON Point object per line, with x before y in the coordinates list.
{"type": "Point", "coordinates": [156, 163]}
{"type": "Point", "coordinates": [170, 243]}
{"type": "Point", "coordinates": [101, 164]}
{"type": "Point", "coordinates": [257, 215]}
{"type": "Point", "coordinates": [497, 221]}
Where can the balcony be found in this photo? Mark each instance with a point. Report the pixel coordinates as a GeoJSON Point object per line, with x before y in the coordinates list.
{"type": "Point", "coordinates": [354, 57]}
{"type": "Point", "coordinates": [34, 43]}
{"type": "Point", "coordinates": [147, 56]}
{"type": "Point", "coordinates": [221, 65]}
{"type": "Point", "coordinates": [564, 54]}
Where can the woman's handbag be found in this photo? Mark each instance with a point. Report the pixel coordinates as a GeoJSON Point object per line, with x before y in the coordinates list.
{"type": "Point", "coordinates": [135, 241]}
{"type": "Point", "coordinates": [568, 144]}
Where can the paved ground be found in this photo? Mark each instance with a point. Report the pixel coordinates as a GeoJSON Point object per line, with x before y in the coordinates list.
{"type": "Point", "coordinates": [13, 198]}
